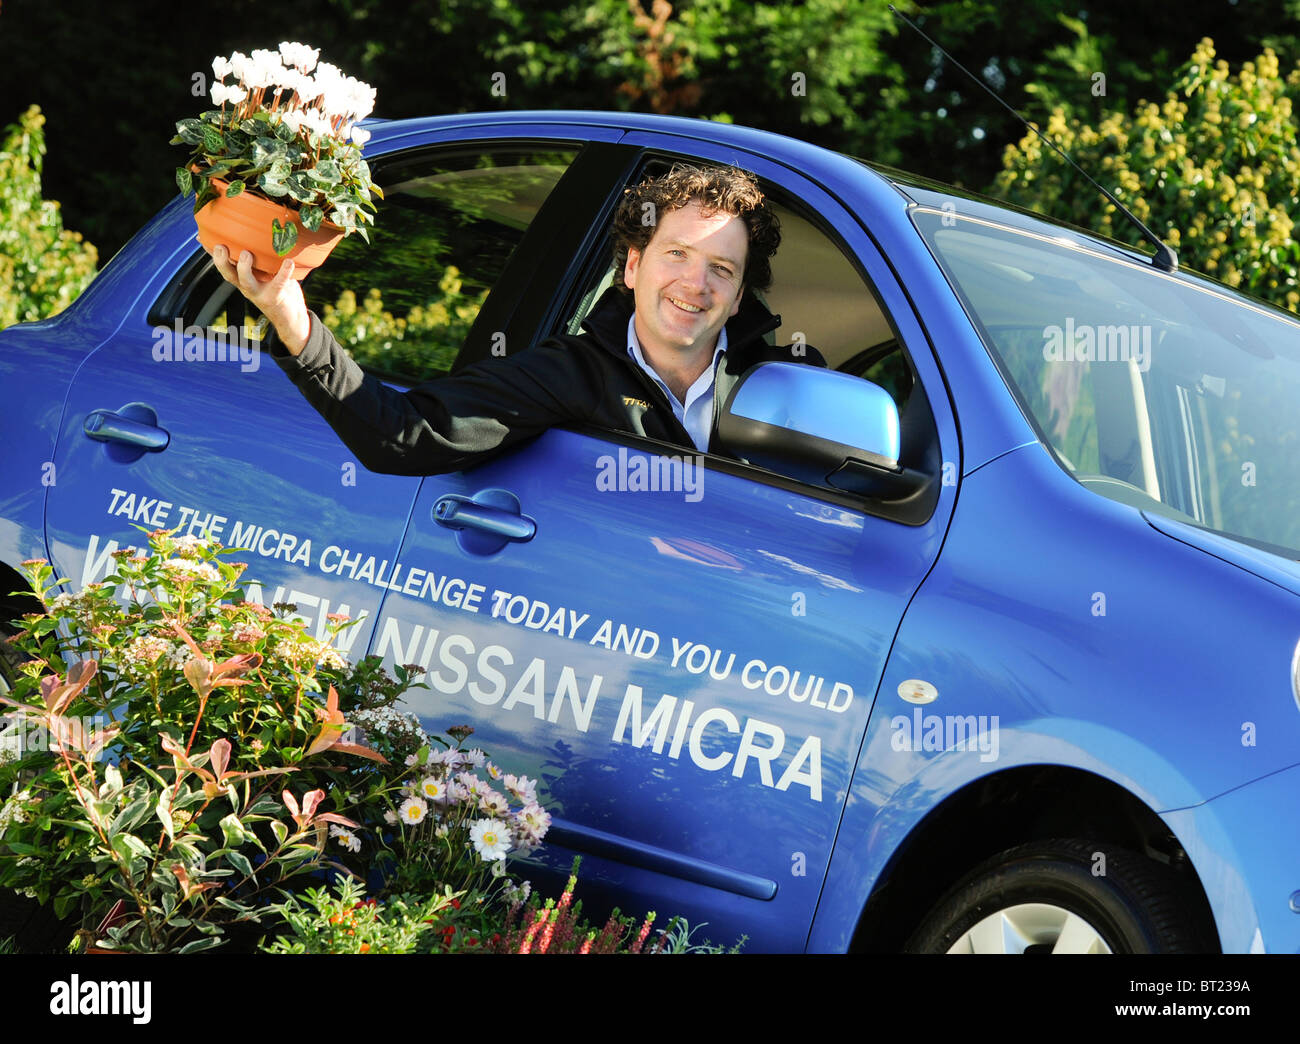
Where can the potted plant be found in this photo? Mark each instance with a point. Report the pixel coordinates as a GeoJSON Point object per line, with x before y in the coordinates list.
{"type": "Point", "coordinates": [276, 168]}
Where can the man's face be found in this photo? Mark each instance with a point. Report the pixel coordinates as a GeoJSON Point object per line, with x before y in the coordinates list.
{"type": "Point", "coordinates": [687, 282]}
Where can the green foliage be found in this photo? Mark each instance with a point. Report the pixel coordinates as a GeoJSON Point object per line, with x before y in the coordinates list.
{"type": "Point", "coordinates": [175, 740]}
{"type": "Point", "coordinates": [339, 920]}
{"type": "Point", "coordinates": [317, 174]}
{"type": "Point", "coordinates": [422, 342]}
{"type": "Point", "coordinates": [1212, 169]}
{"type": "Point", "coordinates": [43, 266]}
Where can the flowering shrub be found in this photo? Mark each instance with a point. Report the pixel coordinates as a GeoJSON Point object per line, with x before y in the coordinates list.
{"type": "Point", "coordinates": [43, 266]}
{"type": "Point", "coordinates": [1211, 168]}
{"type": "Point", "coordinates": [558, 927]}
{"type": "Point", "coordinates": [198, 759]}
{"type": "Point", "coordinates": [176, 744]}
{"type": "Point", "coordinates": [320, 922]}
{"type": "Point", "coordinates": [286, 133]}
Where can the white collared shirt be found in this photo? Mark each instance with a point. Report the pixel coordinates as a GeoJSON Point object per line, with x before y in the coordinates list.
{"type": "Point", "coordinates": [696, 414]}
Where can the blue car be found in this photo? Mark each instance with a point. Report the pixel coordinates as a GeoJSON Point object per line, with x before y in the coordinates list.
{"type": "Point", "coordinates": [983, 639]}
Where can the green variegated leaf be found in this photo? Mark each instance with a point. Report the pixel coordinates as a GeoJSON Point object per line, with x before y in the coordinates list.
{"type": "Point", "coordinates": [326, 171]}
{"type": "Point", "coordinates": [205, 195]}
{"type": "Point", "coordinates": [283, 237]}
{"type": "Point", "coordinates": [189, 131]}
{"type": "Point", "coordinates": [163, 810]}
{"type": "Point", "coordinates": [233, 830]}
{"type": "Point", "coordinates": [312, 218]}
{"type": "Point", "coordinates": [130, 816]}
{"type": "Point", "coordinates": [241, 863]}
{"type": "Point", "coordinates": [129, 847]}
{"type": "Point", "coordinates": [266, 804]}
{"type": "Point", "coordinates": [271, 186]}
{"type": "Point", "coordinates": [212, 139]}
{"type": "Point", "coordinates": [301, 188]}
{"type": "Point", "coordinates": [184, 180]}
{"type": "Point", "coordinates": [234, 188]}
{"type": "Point", "coordinates": [198, 945]}
{"type": "Point", "coordinates": [279, 830]}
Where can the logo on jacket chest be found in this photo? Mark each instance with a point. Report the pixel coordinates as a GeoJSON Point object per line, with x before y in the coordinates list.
{"type": "Point", "coordinates": [628, 400]}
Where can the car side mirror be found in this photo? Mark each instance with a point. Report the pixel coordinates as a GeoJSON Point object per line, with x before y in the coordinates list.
{"type": "Point", "coordinates": [818, 426]}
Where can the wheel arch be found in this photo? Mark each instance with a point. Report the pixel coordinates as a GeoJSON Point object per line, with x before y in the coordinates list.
{"type": "Point", "coordinates": [1000, 811]}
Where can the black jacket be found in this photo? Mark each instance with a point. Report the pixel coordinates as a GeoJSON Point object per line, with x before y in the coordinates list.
{"type": "Point", "coordinates": [450, 423]}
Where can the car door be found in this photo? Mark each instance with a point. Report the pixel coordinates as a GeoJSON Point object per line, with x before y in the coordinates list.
{"type": "Point", "coordinates": [176, 422]}
{"type": "Point", "coordinates": [689, 671]}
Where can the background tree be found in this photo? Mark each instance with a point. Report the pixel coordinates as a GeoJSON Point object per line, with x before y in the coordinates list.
{"type": "Point", "coordinates": [868, 86]}
{"type": "Point", "coordinates": [43, 266]}
{"type": "Point", "coordinates": [1213, 169]}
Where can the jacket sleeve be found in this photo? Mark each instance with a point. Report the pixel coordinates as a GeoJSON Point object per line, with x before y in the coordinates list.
{"type": "Point", "coordinates": [447, 423]}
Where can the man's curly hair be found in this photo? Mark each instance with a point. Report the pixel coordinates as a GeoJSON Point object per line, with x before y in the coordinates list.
{"type": "Point", "coordinates": [716, 188]}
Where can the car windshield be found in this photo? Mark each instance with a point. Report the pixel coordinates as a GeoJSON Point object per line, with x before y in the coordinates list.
{"type": "Point", "coordinates": [1161, 393]}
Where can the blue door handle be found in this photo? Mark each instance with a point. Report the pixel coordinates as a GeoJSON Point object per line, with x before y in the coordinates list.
{"type": "Point", "coordinates": [107, 426]}
{"type": "Point", "coordinates": [486, 522]}
{"type": "Point", "coordinates": [128, 432]}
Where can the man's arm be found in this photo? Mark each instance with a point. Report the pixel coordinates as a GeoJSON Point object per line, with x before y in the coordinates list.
{"type": "Point", "coordinates": [435, 427]}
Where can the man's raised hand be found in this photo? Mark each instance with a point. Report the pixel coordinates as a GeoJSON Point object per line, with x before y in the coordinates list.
{"type": "Point", "coordinates": [278, 298]}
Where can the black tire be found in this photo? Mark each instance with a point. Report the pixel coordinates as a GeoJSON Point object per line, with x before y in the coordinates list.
{"type": "Point", "coordinates": [1133, 905]}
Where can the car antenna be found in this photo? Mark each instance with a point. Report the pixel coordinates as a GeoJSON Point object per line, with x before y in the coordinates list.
{"type": "Point", "coordinates": [1164, 259]}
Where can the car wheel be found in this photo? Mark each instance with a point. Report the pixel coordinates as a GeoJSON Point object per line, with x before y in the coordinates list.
{"type": "Point", "coordinates": [1062, 897]}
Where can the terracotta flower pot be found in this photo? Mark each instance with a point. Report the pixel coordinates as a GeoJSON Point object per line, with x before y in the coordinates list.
{"type": "Point", "coordinates": [243, 222]}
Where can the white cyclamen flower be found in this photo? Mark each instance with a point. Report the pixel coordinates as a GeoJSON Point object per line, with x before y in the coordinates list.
{"type": "Point", "coordinates": [299, 55]}
{"type": "Point", "coordinates": [360, 136]}
{"type": "Point", "coordinates": [222, 94]}
{"type": "Point", "coordinates": [221, 68]}
{"type": "Point", "coordinates": [491, 839]}
{"type": "Point", "coordinates": [262, 70]}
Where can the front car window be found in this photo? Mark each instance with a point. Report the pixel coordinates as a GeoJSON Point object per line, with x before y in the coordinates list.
{"type": "Point", "coordinates": [1152, 390]}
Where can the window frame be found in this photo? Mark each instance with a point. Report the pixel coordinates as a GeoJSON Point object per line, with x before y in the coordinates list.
{"type": "Point", "coordinates": [596, 263]}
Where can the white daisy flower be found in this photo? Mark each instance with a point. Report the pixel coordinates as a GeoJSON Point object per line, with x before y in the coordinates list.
{"type": "Point", "coordinates": [494, 804]}
{"type": "Point", "coordinates": [413, 811]}
{"type": "Point", "coordinates": [346, 838]}
{"type": "Point", "coordinates": [433, 789]}
{"type": "Point", "coordinates": [521, 788]}
{"type": "Point", "coordinates": [491, 839]}
{"type": "Point", "coordinates": [534, 821]}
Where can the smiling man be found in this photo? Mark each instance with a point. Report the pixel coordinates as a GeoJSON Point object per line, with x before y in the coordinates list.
{"type": "Point", "coordinates": [657, 357]}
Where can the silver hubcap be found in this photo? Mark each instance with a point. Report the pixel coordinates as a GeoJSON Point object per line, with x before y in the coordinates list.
{"type": "Point", "coordinates": [1045, 928]}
